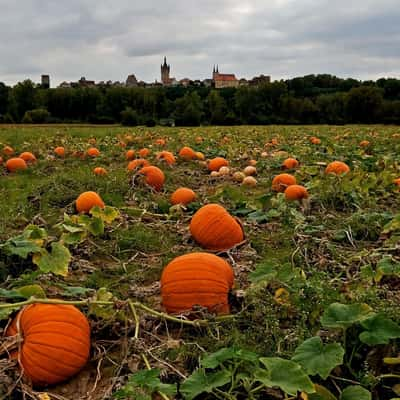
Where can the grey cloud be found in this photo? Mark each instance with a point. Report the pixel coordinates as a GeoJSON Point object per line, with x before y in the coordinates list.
{"type": "Point", "coordinates": [285, 38]}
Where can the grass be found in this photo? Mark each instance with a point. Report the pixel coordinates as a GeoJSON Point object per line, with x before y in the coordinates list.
{"type": "Point", "coordinates": [326, 247]}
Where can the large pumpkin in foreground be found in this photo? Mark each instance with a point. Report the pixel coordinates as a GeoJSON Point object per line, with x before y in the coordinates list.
{"type": "Point", "coordinates": [196, 279]}
{"type": "Point", "coordinates": [215, 229]}
{"type": "Point", "coordinates": [56, 342]}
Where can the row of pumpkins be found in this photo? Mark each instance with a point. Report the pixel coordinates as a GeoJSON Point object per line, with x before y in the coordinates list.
{"type": "Point", "coordinates": [56, 338]}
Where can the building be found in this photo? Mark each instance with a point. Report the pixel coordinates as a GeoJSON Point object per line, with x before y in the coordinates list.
{"type": "Point", "coordinates": [45, 81]}
{"type": "Point", "coordinates": [260, 80]}
{"type": "Point", "coordinates": [224, 80]}
{"type": "Point", "coordinates": [131, 81]}
{"type": "Point", "coordinates": [165, 69]}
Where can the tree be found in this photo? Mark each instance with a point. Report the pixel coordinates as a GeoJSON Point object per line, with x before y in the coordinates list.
{"type": "Point", "coordinates": [217, 109]}
{"type": "Point", "coordinates": [364, 104]}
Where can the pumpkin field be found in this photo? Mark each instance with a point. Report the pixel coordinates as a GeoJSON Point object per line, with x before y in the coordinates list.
{"type": "Point", "coordinates": [200, 263]}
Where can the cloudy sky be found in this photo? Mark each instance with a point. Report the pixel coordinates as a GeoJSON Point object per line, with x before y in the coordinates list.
{"type": "Point", "coordinates": [104, 40]}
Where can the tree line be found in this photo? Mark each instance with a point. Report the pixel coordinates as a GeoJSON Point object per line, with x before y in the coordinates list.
{"type": "Point", "coordinates": [311, 99]}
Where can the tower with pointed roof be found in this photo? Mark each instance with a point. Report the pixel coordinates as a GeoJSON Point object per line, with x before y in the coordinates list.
{"type": "Point", "coordinates": [215, 72]}
{"type": "Point", "coordinates": [165, 68]}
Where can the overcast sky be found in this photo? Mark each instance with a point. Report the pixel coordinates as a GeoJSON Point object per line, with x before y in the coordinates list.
{"type": "Point", "coordinates": [104, 40]}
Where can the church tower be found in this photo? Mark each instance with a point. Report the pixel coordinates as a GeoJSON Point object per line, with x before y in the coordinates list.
{"type": "Point", "coordinates": [215, 72]}
{"type": "Point", "coordinates": [165, 79]}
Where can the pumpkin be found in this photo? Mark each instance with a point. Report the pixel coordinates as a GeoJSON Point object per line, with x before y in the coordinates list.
{"type": "Point", "coordinates": [56, 342]}
{"type": "Point", "coordinates": [187, 153]}
{"type": "Point", "coordinates": [315, 140]}
{"type": "Point", "coordinates": [138, 163]}
{"type": "Point", "coordinates": [87, 200]}
{"type": "Point", "coordinates": [253, 163]}
{"type": "Point", "coordinates": [79, 154]}
{"type": "Point", "coordinates": [215, 229]}
{"type": "Point", "coordinates": [239, 176]}
{"type": "Point", "coordinates": [364, 143]}
{"type": "Point", "coordinates": [223, 171]}
{"type": "Point", "coordinates": [296, 192]}
{"type": "Point", "coordinates": [337, 168]}
{"type": "Point", "coordinates": [8, 150]}
{"type": "Point", "coordinates": [16, 164]}
{"type": "Point", "coordinates": [183, 196]}
{"type": "Point", "coordinates": [166, 156]}
{"type": "Point", "coordinates": [196, 279]}
{"type": "Point", "coordinates": [93, 152]}
{"type": "Point", "coordinates": [154, 177]}
{"type": "Point", "coordinates": [59, 151]}
{"type": "Point", "coordinates": [216, 163]}
{"type": "Point", "coordinates": [160, 142]}
{"type": "Point", "coordinates": [199, 139]}
{"type": "Point", "coordinates": [144, 152]}
{"type": "Point", "coordinates": [290, 163]}
{"type": "Point", "coordinates": [100, 171]}
{"type": "Point", "coordinates": [249, 181]}
{"type": "Point", "coordinates": [397, 182]}
{"type": "Point", "coordinates": [250, 170]}
{"type": "Point", "coordinates": [1, 160]}
{"type": "Point", "coordinates": [200, 156]}
{"type": "Point", "coordinates": [130, 155]}
{"type": "Point", "coordinates": [28, 157]}
{"type": "Point", "coordinates": [282, 181]}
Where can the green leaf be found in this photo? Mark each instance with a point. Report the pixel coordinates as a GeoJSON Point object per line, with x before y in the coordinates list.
{"type": "Point", "coordinates": [94, 225]}
{"type": "Point", "coordinates": [355, 392]}
{"type": "Point", "coordinates": [379, 330]}
{"type": "Point", "coordinates": [6, 312]}
{"type": "Point", "coordinates": [286, 374]}
{"type": "Point", "coordinates": [56, 261]}
{"type": "Point", "coordinates": [386, 266]}
{"type": "Point", "coordinates": [200, 382]}
{"type": "Point", "coordinates": [32, 291]}
{"type": "Point", "coordinates": [107, 214]}
{"type": "Point", "coordinates": [317, 358]}
{"type": "Point", "coordinates": [74, 238]}
{"type": "Point", "coordinates": [149, 379]}
{"type": "Point", "coordinates": [342, 316]}
{"type": "Point", "coordinates": [21, 247]}
{"type": "Point", "coordinates": [10, 294]}
{"type": "Point", "coordinates": [75, 291]}
{"type": "Point", "coordinates": [263, 272]}
{"type": "Point", "coordinates": [103, 311]}
{"type": "Point", "coordinates": [228, 353]}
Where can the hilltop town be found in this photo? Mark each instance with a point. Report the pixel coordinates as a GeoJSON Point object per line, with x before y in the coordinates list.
{"type": "Point", "coordinates": [217, 80]}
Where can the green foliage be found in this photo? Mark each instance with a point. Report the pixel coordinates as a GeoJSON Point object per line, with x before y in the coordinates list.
{"type": "Point", "coordinates": [317, 358]}
{"type": "Point", "coordinates": [355, 392]}
{"type": "Point", "coordinates": [379, 330]}
{"type": "Point", "coordinates": [343, 316]}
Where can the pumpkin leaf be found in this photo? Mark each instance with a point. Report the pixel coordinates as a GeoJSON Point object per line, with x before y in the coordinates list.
{"type": "Point", "coordinates": [6, 312]}
{"type": "Point", "coordinates": [21, 247]}
{"type": "Point", "coordinates": [10, 294]}
{"type": "Point", "coordinates": [102, 311]}
{"type": "Point", "coordinates": [355, 392]}
{"type": "Point", "coordinates": [149, 379]}
{"type": "Point", "coordinates": [228, 353]}
{"type": "Point", "coordinates": [386, 266]}
{"type": "Point", "coordinates": [75, 291]}
{"type": "Point", "coordinates": [379, 330]}
{"type": "Point", "coordinates": [32, 291]}
{"type": "Point", "coordinates": [94, 225]}
{"type": "Point", "coordinates": [263, 272]}
{"type": "Point", "coordinates": [107, 214]}
{"type": "Point", "coordinates": [342, 316]}
{"type": "Point", "coordinates": [200, 382]}
{"type": "Point", "coordinates": [56, 261]}
{"type": "Point", "coordinates": [285, 374]}
{"type": "Point", "coordinates": [317, 358]}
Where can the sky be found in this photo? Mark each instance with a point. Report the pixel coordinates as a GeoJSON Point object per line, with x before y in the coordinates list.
{"type": "Point", "coordinates": [108, 40]}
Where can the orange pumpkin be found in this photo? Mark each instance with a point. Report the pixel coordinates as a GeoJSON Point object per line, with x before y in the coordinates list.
{"type": "Point", "coordinates": [93, 152]}
{"type": "Point", "coordinates": [8, 150]}
{"type": "Point", "coordinates": [144, 152]}
{"type": "Point", "coordinates": [166, 156]}
{"type": "Point", "coordinates": [296, 192]}
{"type": "Point", "coordinates": [154, 177]}
{"type": "Point", "coordinates": [59, 151]}
{"type": "Point", "coordinates": [16, 164]}
{"type": "Point", "coordinates": [215, 229]}
{"type": "Point", "coordinates": [290, 163]}
{"type": "Point", "coordinates": [28, 157]}
{"type": "Point", "coordinates": [160, 142]}
{"type": "Point", "coordinates": [216, 163]}
{"type": "Point", "coordinates": [196, 279]}
{"type": "Point", "coordinates": [183, 196]}
{"type": "Point", "coordinates": [100, 171]}
{"type": "Point", "coordinates": [56, 342]}
{"type": "Point", "coordinates": [397, 182]}
{"type": "Point", "coordinates": [1, 161]}
{"type": "Point", "coordinates": [187, 153]}
{"type": "Point", "coordinates": [364, 143]}
{"type": "Point", "coordinates": [282, 181]}
{"type": "Point", "coordinates": [87, 200]}
{"type": "Point", "coordinates": [315, 140]}
{"type": "Point", "coordinates": [199, 139]}
{"type": "Point", "coordinates": [138, 163]}
{"type": "Point", "coordinates": [337, 168]}
{"type": "Point", "coordinates": [130, 155]}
